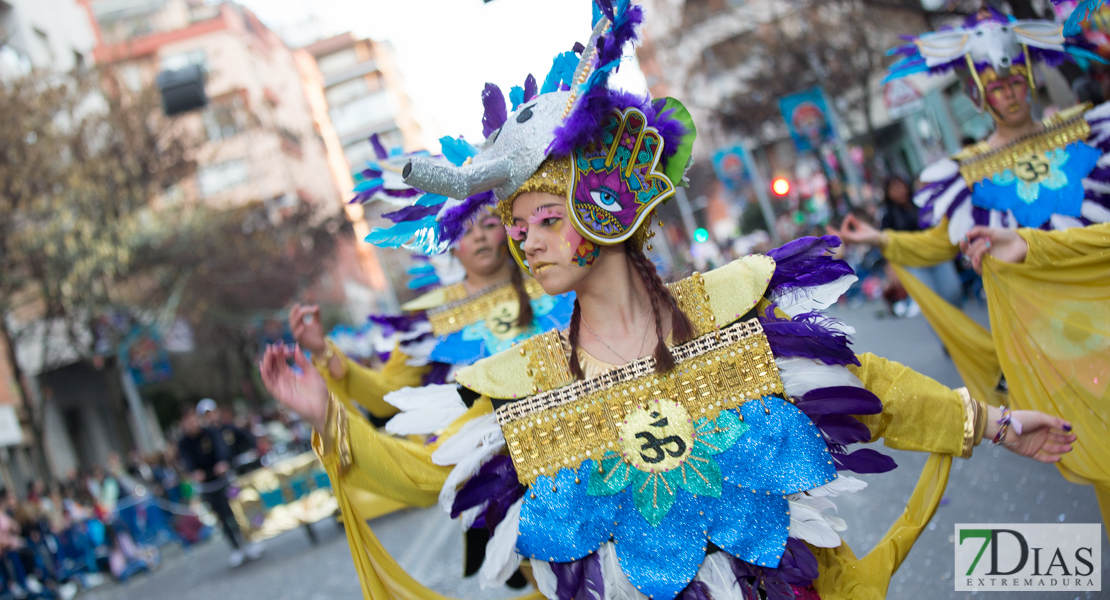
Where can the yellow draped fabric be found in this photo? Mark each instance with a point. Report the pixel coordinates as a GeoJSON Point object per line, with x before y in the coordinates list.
{"type": "Point", "coordinates": [1050, 321]}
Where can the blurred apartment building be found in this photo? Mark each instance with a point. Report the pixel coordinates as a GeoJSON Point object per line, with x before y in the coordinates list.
{"type": "Point", "coordinates": [47, 36]}
{"type": "Point", "coordinates": [267, 140]}
{"type": "Point", "coordinates": [365, 95]}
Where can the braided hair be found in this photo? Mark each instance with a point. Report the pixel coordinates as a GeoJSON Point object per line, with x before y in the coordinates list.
{"type": "Point", "coordinates": [682, 329]}
{"type": "Point", "coordinates": [517, 279]}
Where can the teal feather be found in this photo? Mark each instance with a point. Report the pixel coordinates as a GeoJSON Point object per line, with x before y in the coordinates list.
{"type": "Point", "coordinates": [562, 71]}
{"type": "Point", "coordinates": [457, 150]}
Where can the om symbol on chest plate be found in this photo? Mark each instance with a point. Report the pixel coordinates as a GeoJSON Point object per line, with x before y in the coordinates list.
{"type": "Point", "coordinates": [1032, 168]}
{"type": "Point", "coordinates": [502, 321]}
{"type": "Point", "coordinates": [657, 436]}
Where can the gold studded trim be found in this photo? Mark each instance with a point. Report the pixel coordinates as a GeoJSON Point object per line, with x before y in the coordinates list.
{"type": "Point", "coordinates": [562, 427]}
{"type": "Point", "coordinates": [694, 301]}
{"type": "Point", "coordinates": [980, 162]}
{"type": "Point", "coordinates": [460, 311]}
{"type": "Point", "coordinates": [548, 366]}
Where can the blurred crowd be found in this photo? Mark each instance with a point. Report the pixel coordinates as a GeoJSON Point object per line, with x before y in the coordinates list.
{"type": "Point", "coordinates": [109, 522]}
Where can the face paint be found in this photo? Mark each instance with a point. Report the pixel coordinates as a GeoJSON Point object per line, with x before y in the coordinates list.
{"type": "Point", "coordinates": [587, 253]}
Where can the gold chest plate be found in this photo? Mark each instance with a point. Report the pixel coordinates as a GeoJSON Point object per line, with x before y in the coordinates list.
{"type": "Point", "coordinates": [560, 428]}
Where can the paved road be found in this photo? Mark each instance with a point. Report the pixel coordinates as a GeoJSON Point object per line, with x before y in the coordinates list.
{"type": "Point", "coordinates": [993, 486]}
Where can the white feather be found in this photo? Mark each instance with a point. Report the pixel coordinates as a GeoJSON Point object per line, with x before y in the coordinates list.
{"type": "Point", "coordinates": [419, 351]}
{"type": "Point", "coordinates": [1095, 211]}
{"type": "Point", "coordinates": [468, 516]}
{"type": "Point", "coordinates": [546, 582]}
{"type": "Point", "coordinates": [1060, 222]}
{"type": "Point", "coordinates": [501, 558]}
{"type": "Point", "coordinates": [945, 199]}
{"type": "Point", "coordinates": [424, 409]}
{"type": "Point", "coordinates": [812, 525]}
{"type": "Point", "coordinates": [617, 585]}
{"type": "Point", "coordinates": [1096, 185]}
{"type": "Point", "coordinates": [717, 575]}
{"type": "Point", "coordinates": [474, 444]}
{"type": "Point", "coordinates": [1103, 161]}
{"type": "Point", "coordinates": [961, 222]}
{"type": "Point", "coordinates": [800, 375]}
{"type": "Point", "coordinates": [1098, 112]}
{"type": "Point", "coordinates": [942, 169]}
{"type": "Point", "coordinates": [818, 297]}
{"type": "Point", "coordinates": [843, 484]}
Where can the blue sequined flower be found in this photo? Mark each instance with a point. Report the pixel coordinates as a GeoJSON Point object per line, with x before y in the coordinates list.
{"type": "Point", "coordinates": [676, 487]}
{"type": "Point", "coordinates": [1040, 185]}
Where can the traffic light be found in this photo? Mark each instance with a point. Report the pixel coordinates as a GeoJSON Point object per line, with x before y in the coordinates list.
{"type": "Point", "coordinates": [780, 186]}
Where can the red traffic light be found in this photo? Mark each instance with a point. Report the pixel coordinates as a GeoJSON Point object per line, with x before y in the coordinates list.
{"type": "Point", "coordinates": [780, 186]}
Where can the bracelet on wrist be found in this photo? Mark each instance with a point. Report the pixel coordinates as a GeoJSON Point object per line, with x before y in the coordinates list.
{"type": "Point", "coordinates": [1004, 422]}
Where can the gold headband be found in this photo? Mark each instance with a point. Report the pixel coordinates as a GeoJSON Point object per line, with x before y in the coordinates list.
{"type": "Point", "coordinates": [553, 177]}
{"type": "Point", "coordinates": [989, 75]}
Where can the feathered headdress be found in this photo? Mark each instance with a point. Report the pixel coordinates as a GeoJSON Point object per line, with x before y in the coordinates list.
{"type": "Point", "coordinates": [646, 144]}
{"type": "Point", "coordinates": [1083, 11]}
{"type": "Point", "coordinates": [993, 41]}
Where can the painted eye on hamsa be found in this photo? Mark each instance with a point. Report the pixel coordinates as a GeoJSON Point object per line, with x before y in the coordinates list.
{"type": "Point", "coordinates": [657, 436]}
{"type": "Point", "coordinates": [606, 198]}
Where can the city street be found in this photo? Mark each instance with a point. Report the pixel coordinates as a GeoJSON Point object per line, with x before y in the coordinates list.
{"type": "Point", "coordinates": [993, 486]}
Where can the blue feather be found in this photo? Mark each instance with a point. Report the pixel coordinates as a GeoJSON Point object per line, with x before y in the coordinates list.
{"type": "Point", "coordinates": [516, 96]}
{"type": "Point", "coordinates": [422, 235]}
{"type": "Point", "coordinates": [457, 150]}
{"type": "Point", "coordinates": [421, 269]}
{"type": "Point", "coordinates": [431, 200]}
{"type": "Point", "coordinates": [596, 15]}
{"type": "Point", "coordinates": [1084, 53]}
{"type": "Point", "coordinates": [562, 71]}
{"type": "Point", "coordinates": [1082, 12]}
{"type": "Point", "coordinates": [368, 184]}
{"type": "Point", "coordinates": [425, 281]}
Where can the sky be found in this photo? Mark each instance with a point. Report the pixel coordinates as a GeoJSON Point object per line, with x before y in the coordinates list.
{"type": "Point", "coordinates": [448, 49]}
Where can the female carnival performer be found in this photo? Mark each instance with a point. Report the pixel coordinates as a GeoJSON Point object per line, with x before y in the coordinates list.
{"type": "Point", "coordinates": [492, 308]}
{"type": "Point", "coordinates": [1053, 176]}
{"type": "Point", "coordinates": [675, 440]}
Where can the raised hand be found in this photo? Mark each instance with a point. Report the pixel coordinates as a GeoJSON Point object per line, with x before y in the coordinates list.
{"type": "Point", "coordinates": [1043, 438]}
{"type": "Point", "coordinates": [1001, 244]}
{"type": "Point", "coordinates": [304, 393]}
{"type": "Point", "coordinates": [854, 231]}
{"type": "Point", "coordinates": [307, 327]}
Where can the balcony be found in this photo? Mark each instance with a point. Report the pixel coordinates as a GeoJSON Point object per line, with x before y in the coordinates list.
{"type": "Point", "coordinates": [350, 73]}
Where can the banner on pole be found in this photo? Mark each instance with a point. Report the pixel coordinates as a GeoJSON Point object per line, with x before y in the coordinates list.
{"type": "Point", "coordinates": [808, 119]}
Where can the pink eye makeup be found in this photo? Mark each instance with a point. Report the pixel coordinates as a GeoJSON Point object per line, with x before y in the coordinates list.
{"type": "Point", "coordinates": [515, 232]}
{"type": "Point", "coordinates": [544, 212]}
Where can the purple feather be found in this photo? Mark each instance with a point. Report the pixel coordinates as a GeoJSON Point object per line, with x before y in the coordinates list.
{"type": "Point", "coordinates": [798, 565]}
{"type": "Point", "coordinates": [864, 460]}
{"type": "Point", "coordinates": [412, 213]}
{"type": "Point", "coordinates": [369, 173]}
{"type": "Point", "coordinates": [752, 578]}
{"type": "Point", "coordinates": [496, 483]}
{"type": "Point", "coordinates": [579, 580]}
{"type": "Point", "coordinates": [530, 88]}
{"type": "Point", "coordinates": [403, 193]}
{"type": "Point", "coordinates": [839, 400]}
{"type": "Point", "coordinates": [806, 338]}
{"type": "Point", "coordinates": [807, 262]}
{"type": "Point", "coordinates": [455, 220]}
{"type": "Point", "coordinates": [496, 112]}
{"type": "Point", "coordinates": [583, 125]}
{"type": "Point", "coordinates": [695, 591]}
{"type": "Point", "coordinates": [379, 149]}
{"type": "Point", "coordinates": [437, 375]}
{"type": "Point", "coordinates": [391, 324]}
{"type": "Point", "coordinates": [842, 429]}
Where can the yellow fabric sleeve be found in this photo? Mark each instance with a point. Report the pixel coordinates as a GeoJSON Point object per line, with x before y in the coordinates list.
{"type": "Point", "coordinates": [1047, 248]}
{"type": "Point", "coordinates": [919, 413]}
{"type": "Point", "coordinates": [919, 248]}
{"type": "Point", "coordinates": [367, 388]}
